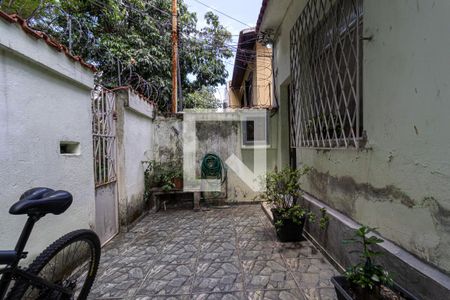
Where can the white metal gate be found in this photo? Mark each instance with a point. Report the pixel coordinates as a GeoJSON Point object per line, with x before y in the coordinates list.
{"type": "Point", "coordinates": [104, 141]}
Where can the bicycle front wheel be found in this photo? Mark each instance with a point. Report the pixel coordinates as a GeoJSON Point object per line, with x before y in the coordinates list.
{"type": "Point", "coordinates": [71, 262]}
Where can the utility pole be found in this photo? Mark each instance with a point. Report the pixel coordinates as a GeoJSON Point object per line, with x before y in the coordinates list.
{"type": "Point", "coordinates": [174, 56]}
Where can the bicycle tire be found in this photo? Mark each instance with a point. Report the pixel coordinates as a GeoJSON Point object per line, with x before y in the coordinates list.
{"type": "Point", "coordinates": [21, 287]}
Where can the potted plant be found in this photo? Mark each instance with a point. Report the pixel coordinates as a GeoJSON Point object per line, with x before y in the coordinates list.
{"type": "Point", "coordinates": [367, 280]}
{"type": "Point", "coordinates": [177, 177]}
{"type": "Point", "coordinates": [160, 175]}
{"type": "Point", "coordinates": [283, 192]}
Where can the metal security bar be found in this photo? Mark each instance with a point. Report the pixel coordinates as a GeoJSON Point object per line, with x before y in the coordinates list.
{"type": "Point", "coordinates": [104, 135]}
{"type": "Point", "coordinates": [326, 68]}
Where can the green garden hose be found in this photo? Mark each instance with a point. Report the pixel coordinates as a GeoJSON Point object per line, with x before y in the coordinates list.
{"type": "Point", "coordinates": [213, 168]}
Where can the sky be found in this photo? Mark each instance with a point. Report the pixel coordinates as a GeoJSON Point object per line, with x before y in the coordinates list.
{"type": "Point", "coordinates": [246, 11]}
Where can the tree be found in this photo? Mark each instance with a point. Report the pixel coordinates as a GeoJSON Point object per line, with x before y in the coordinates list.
{"type": "Point", "coordinates": [204, 54]}
{"type": "Point", "coordinates": [136, 33]}
{"type": "Point", "coordinates": [202, 99]}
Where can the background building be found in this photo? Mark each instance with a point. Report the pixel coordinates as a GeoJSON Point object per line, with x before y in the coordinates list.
{"type": "Point", "coordinates": [252, 74]}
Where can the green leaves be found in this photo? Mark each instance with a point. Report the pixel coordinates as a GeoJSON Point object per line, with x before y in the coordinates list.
{"type": "Point", "coordinates": [294, 213]}
{"type": "Point", "coordinates": [283, 187]}
{"type": "Point", "coordinates": [138, 34]}
{"type": "Point", "coordinates": [202, 99]}
{"type": "Point", "coordinates": [367, 274]}
{"type": "Point", "coordinates": [373, 240]}
{"type": "Point", "coordinates": [324, 218]}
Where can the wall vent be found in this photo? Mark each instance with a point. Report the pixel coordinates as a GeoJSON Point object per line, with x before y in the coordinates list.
{"type": "Point", "coordinates": [69, 148]}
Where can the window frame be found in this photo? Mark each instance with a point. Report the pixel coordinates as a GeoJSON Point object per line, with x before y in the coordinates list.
{"type": "Point", "coordinates": [326, 95]}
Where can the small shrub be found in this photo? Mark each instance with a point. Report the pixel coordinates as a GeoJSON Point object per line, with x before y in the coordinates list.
{"type": "Point", "coordinates": [366, 274]}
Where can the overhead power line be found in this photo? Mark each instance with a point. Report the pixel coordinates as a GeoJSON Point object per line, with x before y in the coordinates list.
{"type": "Point", "coordinates": [222, 13]}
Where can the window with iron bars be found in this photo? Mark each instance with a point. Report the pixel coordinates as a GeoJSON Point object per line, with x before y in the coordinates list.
{"type": "Point", "coordinates": [326, 68]}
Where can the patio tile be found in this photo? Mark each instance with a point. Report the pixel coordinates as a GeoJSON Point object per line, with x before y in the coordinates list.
{"type": "Point", "coordinates": [192, 223]}
{"type": "Point", "coordinates": [218, 251]}
{"type": "Point", "coordinates": [188, 232]}
{"type": "Point", "coordinates": [242, 230]}
{"type": "Point", "coordinates": [219, 231]}
{"type": "Point", "coordinates": [168, 280]}
{"type": "Point", "coordinates": [153, 237]}
{"type": "Point", "coordinates": [327, 293]}
{"type": "Point", "coordinates": [302, 249]}
{"type": "Point", "coordinates": [271, 274]}
{"type": "Point", "coordinates": [308, 264]}
{"type": "Point", "coordinates": [319, 294]}
{"type": "Point", "coordinates": [217, 254]}
{"type": "Point", "coordinates": [179, 253]}
{"type": "Point", "coordinates": [258, 250]}
{"type": "Point", "coordinates": [312, 272]}
{"type": "Point", "coordinates": [121, 280]}
{"type": "Point", "coordinates": [119, 243]}
{"type": "Point", "coordinates": [218, 277]}
{"type": "Point", "coordinates": [219, 296]}
{"type": "Point", "coordinates": [248, 221]}
{"type": "Point", "coordinates": [169, 297]}
{"type": "Point", "coordinates": [145, 251]}
{"type": "Point", "coordinates": [215, 222]}
{"type": "Point", "coordinates": [220, 236]}
{"type": "Point", "coordinates": [293, 294]}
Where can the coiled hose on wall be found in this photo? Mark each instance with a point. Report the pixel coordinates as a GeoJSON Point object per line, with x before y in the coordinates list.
{"type": "Point", "coordinates": [212, 167]}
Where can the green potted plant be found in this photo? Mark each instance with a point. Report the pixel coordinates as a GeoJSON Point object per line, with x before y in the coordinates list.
{"type": "Point", "coordinates": [160, 175]}
{"type": "Point", "coordinates": [367, 280]}
{"type": "Point", "coordinates": [283, 193]}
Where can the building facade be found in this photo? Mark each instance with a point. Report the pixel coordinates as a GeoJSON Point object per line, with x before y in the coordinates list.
{"type": "Point", "coordinates": [364, 88]}
{"type": "Point", "coordinates": [251, 84]}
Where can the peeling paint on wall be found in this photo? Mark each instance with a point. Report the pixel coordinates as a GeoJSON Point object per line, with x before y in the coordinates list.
{"type": "Point", "coordinates": [420, 225]}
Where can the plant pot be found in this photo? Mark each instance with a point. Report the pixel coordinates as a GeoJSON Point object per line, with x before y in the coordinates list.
{"type": "Point", "coordinates": [289, 231]}
{"type": "Point", "coordinates": [178, 183]}
{"type": "Point", "coordinates": [346, 291]}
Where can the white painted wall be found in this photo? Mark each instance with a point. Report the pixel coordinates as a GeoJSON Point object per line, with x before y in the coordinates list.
{"type": "Point", "coordinates": [135, 144]}
{"type": "Point", "coordinates": [41, 104]}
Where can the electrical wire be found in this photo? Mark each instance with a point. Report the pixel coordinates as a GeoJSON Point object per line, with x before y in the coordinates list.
{"type": "Point", "coordinates": [240, 54]}
{"type": "Point", "coordinates": [222, 13]}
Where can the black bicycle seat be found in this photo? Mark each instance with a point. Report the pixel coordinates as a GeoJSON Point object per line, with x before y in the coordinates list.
{"type": "Point", "coordinates": [42, 200]}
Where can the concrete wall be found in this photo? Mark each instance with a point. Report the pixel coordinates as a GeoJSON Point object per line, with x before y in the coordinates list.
{"type": "Point", "coordinates": [44, 99]}
{"type": "Point", "coordinates": [399, 182]}
{"type": "Point", "coordinates": [168, 137]}
{"type": "Point", "coordinates": [220, 137]}
{"type": "Point", "coordinates": [135, 142]}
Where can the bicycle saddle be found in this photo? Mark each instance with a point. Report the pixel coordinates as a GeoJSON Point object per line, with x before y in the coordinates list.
{"type": "Point", "coordinates": [42, 200]}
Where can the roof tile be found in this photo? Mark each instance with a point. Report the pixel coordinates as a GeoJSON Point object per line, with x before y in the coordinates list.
{"type": "Point", "coordinates": [13, 18]}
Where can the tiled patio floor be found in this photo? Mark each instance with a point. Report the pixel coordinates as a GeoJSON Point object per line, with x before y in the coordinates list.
{"type": "Point", "coordinates": [229, 253]}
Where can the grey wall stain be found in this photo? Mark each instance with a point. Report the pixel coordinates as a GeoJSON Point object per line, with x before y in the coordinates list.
{"type": "Point", "coordinates": [348, 186]}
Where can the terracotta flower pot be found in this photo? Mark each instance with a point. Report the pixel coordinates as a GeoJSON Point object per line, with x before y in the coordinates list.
{"type": "Point", "coordinates": [178, 183]}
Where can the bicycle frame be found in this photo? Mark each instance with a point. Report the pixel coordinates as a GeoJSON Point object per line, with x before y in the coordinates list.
{"type": "Point", "coordinates": [11, 258]}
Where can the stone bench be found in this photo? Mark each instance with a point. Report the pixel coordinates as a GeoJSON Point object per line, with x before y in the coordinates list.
{"type": "Point", "coordinates": [156, 193]}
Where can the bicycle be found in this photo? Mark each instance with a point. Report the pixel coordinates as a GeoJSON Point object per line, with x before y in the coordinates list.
{"type": "Point", "coordinates": [64, 270]}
